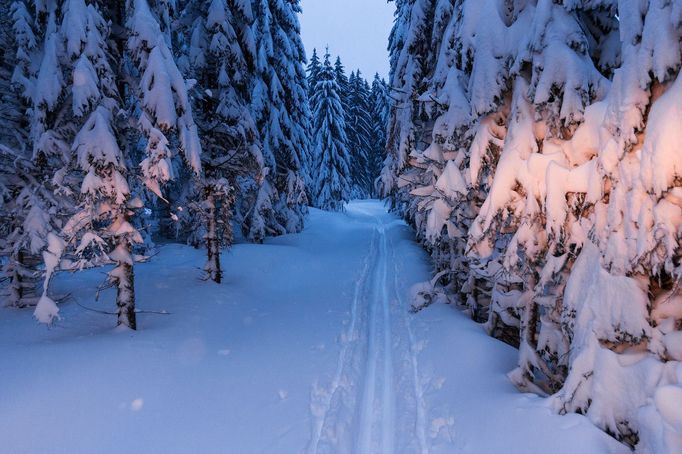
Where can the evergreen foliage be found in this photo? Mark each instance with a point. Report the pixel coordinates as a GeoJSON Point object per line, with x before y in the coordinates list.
{"type": "Point", "coordinates": [121, 116]}
{"type": "Point", "coordinates": [526, 146]}
{"type": "Point", "coordinates": [358, 132]}
{"type": "Point", "coordinates": [332, 187]}
{"type": "Point", "coordinates": [280, 108]}
{"type": "Point", "coordinates": [379, 106]}
{"type": "Point", "coordinates": [219, 55]}
{"type": "Point", "coordinates": [365, 113]}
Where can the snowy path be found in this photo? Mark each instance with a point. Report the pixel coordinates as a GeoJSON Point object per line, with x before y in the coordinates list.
{"type": "Point", "coordinates": [308, 347]}
{"type": "Point", "coordinates": [378, 330]}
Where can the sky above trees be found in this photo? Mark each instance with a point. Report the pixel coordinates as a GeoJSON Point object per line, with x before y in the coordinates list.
{"type": "Point", "coordinates": [357, 30]}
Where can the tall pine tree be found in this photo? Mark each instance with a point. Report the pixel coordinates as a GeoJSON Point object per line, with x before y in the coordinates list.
{"type": "Point", "coordinates": [26, 193]}
{"type": "Point", "coordinates": [379, 104]}
{"type": "Point", "coordinates": [220, 58]}
{"type": "Point", "coordinates": [332, 188]}
{"type": "Point", "coordinates": [358, 133]}
{"type": "Point", "coordinates": [313, 71]}
{"type": "Point", "coordinates": [280, 107]}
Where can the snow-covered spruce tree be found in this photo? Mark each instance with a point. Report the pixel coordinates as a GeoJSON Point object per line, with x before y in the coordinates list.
{"type": "Point", "coordinates": [379, 104]}
{"type": "Point", "coordinates": [106, 209]}
{"type": "Point", "coordinates": [313, 71]}
{"type": "Point", "coordinates": [332, 188]}
{"type": "Point", "coordinates": [36, 158]}
{"type": "Point", "coordinates": [98, 67]}
{"type": "Point", "coordinates": [313, 76]}
{"type": "Point", "coordinates": [411, 57]}
{"type": "Point", "coordinates": [23, 195]}
{"type": "Point", "coordinates": [75, 170]}
{"type": "Point", "coordinates": [220, 58]}
{"type": "Point", "coordinates": [547, 106]}
{"type": "Point", "coordinates": [415, 162]}
{"type": "Point", "coordinates": [100, 231]}
{"type": "Point", "coordinates": [342, 82]}
{"type": "Point", "coordinates": [358, 134]}
{"type": "Point", "coordinates": [555, 179]}
{"type": "Point", "coordinates": [18, 41]}
{"type": "Point", "coordinates": [160, 92]}
{"type": "Point", "coordinates": [340, 73]}
{"type": "Point", "coordinates": [630, 238]}
{"type": "Point", "coordinates": [26, 206]}
{"type": "Point", "coordinates": [280, 109]}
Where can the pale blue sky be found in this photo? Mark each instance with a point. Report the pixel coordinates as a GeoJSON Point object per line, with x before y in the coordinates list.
{"type": "Point", "coordinates": [357, 30]}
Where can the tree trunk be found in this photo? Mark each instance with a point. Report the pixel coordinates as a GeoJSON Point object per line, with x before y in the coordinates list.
{"type": "Point", "coordinates": [17, 284]}
{"type": "Point", "coordinates": [24, 280]}
{"type": "Point", "coordinates": [125, 295]}
{"type": "Point", "coordinates": [212, 267]}
{"type": "Point", "coordinates": [528, 357]}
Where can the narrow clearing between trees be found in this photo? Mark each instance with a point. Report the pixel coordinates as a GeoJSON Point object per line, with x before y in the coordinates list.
{"type": "Point", "coordinates": [359, 412]}
{"type": "Point", "coordinates": [308, 346]}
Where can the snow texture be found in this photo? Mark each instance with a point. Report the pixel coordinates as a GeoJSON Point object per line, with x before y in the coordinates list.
{"type": "Point", "coordinates": [305, 354]}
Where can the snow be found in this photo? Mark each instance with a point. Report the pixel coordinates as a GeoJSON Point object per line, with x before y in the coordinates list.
{"type": "Point", "coordinates": [602, 301]}
{"type": "Point", "coordinates": [49, 82]}
{"type": "Point", "coordinates": [96, 142]}
{"type": "Point", "coordinates": [46, 311]}
{"type": "Point", "coordinates": [661, 161]}
{"type": "Point", "coordinates": [451, 181]}
{"type": "Point", "coordinates": [35, 225]}
{"type": "Point", "coordinates": [562, 117]}
{"type": "Point", "coordinates": [673, 345]}
{"type": "Point", "coordinates": [277, 359]}
{"type": "Point", "coordinates": [164, 95]}
{"type": "Point", "coordinates": [85, 88]}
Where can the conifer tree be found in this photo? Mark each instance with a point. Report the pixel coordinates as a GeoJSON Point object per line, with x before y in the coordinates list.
{"type": "Point", "coordinates": [25, 197]}
{"type": "Point", "coordinates": [332, 185]}
{"type": "Point", "coordinates": [280, 109]}
{"type": "Point", "coordinates": [358, 134]}
{"type": "Point", "coordinates": [220, 58]}
{"type": "Point", "coordinates": [82, 213]}
{"type": "Point", "coordinates": [379, 105]}
{"type": "Point", "coordinates": [166, 117]}
{"type": "Point", "coordinates": [313, 72]}
{"type": "Point", "coordinates": [342, 82]}
{"type": "Point", "coordinates": [526, 145]}
{"type": "Point", "coordinates": [313, 76]}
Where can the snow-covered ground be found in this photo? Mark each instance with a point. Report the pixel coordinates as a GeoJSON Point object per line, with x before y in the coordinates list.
{"type": "Point", "coordinates": [308, 346]}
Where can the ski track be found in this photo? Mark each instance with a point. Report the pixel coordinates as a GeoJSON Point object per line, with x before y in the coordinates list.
{"type": "Point", "coordinates": [346, 344]}
{"type": "Point", "coordinates": [360, 410]}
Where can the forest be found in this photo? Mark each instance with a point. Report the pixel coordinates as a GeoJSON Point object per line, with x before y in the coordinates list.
{"type": "Point", "coordinates": [531, 148]}
{"type": "Point", "coordinates": [181, 122]}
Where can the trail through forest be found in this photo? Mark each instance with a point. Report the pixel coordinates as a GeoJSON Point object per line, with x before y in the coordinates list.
{"type": "Point", "coordinates": [307, 347]}
{"type": "Point", "coordinates": [360, 411]}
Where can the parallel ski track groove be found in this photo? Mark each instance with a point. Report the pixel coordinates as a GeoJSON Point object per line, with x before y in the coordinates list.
{"type": "Point", "coordinates": [350, 337]}
{"type": "Point", "coordinates": [369, 341]}
{"type": "Point", "coordinates": [366, 423]}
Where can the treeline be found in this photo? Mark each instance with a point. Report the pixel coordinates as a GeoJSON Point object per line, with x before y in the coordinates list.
{"type": "Point", "coordinates": [535, 147]}
{"type": "Point", "coordinates": [349, 120]}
